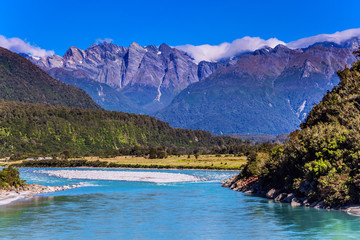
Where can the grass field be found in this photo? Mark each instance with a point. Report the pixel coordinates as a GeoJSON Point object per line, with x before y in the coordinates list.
{"type": "Point", "coordinates": [225, 162]}
{"type": "Point", "coordinates": [203, 161]}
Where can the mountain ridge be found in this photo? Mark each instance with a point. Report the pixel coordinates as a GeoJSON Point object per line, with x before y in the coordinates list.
{"type": "Point", "coordinates": [149, 77]}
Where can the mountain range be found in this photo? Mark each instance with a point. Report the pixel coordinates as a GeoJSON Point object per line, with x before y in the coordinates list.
{"type": "Point", "coordinates": [135, 79]}
{"type": "Point", "coordinates": [267, 91]}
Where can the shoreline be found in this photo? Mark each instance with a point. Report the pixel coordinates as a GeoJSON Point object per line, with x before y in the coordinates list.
{"type": "Point", "coordinates": [142, 168]}
{"type": "Point", "coordinates": [32, 190]}
{"type": "Point", "coordinates": [29, 191]}
{"type": "Point", "coordinates": [250, 186]}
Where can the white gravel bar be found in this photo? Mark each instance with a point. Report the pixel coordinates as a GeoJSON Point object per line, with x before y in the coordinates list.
{"type": "Point", "coordinates": [155, 177]}
{"type": "Point", "coordinates": [29, 191]}
{"type": "Point", "coordinates": [12, 196]}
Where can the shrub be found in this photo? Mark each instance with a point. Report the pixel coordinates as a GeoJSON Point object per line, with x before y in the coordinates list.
{"type": "Point", "coordinates": [10, 177]}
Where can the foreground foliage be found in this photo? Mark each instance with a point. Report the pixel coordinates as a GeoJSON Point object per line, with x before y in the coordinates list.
{"type": "Point", "coordinates": [10, 177]}
{"type": "Point", "coordinates": [322, 161]}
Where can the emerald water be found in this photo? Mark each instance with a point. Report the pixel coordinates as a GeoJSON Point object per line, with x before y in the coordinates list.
{"type": "Point", "coordinates": [106, 209]}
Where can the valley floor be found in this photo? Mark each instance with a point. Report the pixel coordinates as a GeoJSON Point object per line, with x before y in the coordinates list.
{"type": "Point", "coordinates": [222, 162]}
{"type": "Point", "coordinates": [203, 162]}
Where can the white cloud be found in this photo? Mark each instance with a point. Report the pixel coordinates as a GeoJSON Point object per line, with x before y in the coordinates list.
{"type": "Point", "coordinates": [204, 52]}
{"type": "Point", "coordinates": [214, 53]}
{"type": "Point", "coordinates": [18, 45]}
{"type": "Point", "coordinates": [108, 40]}
{"type": "Point", "coordinates": [337, 37]}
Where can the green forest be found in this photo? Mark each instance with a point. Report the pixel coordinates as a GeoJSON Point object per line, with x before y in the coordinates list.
{"type": "Point", "coordinates": [27, 128]}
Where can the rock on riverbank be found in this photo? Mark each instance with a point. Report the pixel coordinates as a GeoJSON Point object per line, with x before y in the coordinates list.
{"type": "Point", "coordinates": [29, 191]}
{"type": "Point", "coordinates": [251, 185]}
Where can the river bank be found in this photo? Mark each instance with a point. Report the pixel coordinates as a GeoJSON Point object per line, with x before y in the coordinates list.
{"type": "Point", "coordinates": [251, 186]}
{"type": "Point", "coordinates": [29, 191]}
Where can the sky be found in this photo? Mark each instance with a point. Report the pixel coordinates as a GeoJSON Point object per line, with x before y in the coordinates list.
{"type": "Point", "coordinates": [57, 25]}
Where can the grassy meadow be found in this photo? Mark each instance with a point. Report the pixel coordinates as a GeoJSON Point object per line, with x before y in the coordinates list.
{"type": "Point", "coordinates": [203, 161]}
{"type": "Point", "coordinates": [225, 162]}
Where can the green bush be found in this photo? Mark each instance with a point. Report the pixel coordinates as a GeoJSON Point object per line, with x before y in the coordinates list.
{"type": "Point", "coordinates": [10, 177]}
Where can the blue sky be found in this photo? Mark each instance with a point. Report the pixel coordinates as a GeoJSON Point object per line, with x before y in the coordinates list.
{"type": "Point", "coordinates": [57, 25]}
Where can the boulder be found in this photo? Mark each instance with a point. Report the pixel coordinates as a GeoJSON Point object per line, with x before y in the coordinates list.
{"type": "Point", "coordinates": [306, 202]}
{"type": "Point", "coordinates": [289, 197]}
{"type": "Point", "coordinates": [272, 193]}
{"type": "Point", "coordinates": [296, 202]}
{"type": "Point", "coordinates": [228, 182]}
{"type": "Point", "coordinates": [320, 205]}
{"type": "Point", "coordinates": [250, 191]}
{"type": "Point", "coordinates": [280, 197]}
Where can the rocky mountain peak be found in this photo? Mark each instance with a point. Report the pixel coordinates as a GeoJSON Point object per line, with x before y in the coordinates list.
{"type": "Point", "coordinates": [152, 48]}
{"type": "Point", "coordinates": [164, 48]}
{"type": "Point", "coordinates": [281, 49]}
{"type": "Point", "coordinates": [74, 54]}
{"type": "Point", "coordinates": [135, 45]}
{"type": "Point", "coordinates": [262, 51]}
{"type": "Point", "coordinates": [108, 47]}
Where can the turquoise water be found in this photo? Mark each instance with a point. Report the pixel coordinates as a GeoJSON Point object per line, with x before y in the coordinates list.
{"type": "Point", "coordinates": [140, 210]}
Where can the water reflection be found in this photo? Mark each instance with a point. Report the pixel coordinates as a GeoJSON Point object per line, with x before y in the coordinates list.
{"type": "Point", "coordinates": [304, 222]}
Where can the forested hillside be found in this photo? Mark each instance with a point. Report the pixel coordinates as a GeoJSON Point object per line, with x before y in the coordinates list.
{"type": "Point", "coordinates": [21, 80]}
{"type": "Point", "coordinates": [40, 128]}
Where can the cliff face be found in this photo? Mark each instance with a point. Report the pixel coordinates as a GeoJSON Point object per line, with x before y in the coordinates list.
{"type": "Point", "coordinates": [147, 77]}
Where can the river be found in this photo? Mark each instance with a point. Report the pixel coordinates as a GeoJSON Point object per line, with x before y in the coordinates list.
{"type": "Point", "coordinates": [196, 209]}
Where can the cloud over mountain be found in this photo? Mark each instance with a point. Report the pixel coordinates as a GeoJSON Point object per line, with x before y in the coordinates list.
{"type": "Point", "coordinates": [206, 52]}
{"type": "Point", "coordinates": [213, 53]}
{"type": "Point", "coordinates": [337, 37]}
{"type": "Point", "coordinates": [18, 45]}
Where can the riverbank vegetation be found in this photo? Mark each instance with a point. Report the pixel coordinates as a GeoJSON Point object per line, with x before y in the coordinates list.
{"type": "Point", "coordinates": [320, 162]}
{"type": "Point", "coordinates": [10, 178]}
